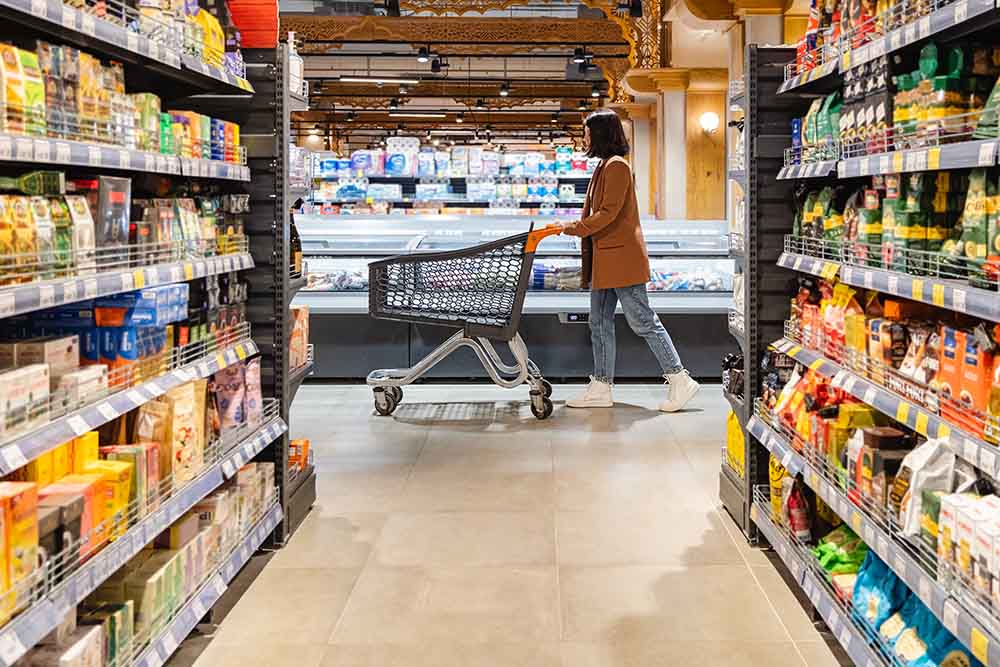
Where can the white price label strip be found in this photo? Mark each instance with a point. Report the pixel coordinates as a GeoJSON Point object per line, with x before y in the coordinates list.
{"type": "Point", "coordinates": [951, 616]}
{"type": "Point", "coordinates": [13, 457]}
{"type": "Point", "coordinates": [63, 152]}
{"type": "Point", "coordinates": [987, 154]}
{"type": "Point", "coordinates": [46, 296]}
{"type": "Point", "coordinates": [6, 148]}
{"type": "Point", "coordinates": [11, 648]}
{"type": "Point", "coordinates": [6, 304]}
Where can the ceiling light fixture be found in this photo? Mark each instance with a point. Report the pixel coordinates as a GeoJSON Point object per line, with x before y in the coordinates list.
{"type": "Point", "coordinates": [460, 118]}
{"type": "Point", "coordinates": [351, 116]}
{"type": "Point", "coordinates": [504, 89]}
{"type": "Point", "coordinates": [423, 54]}
{"type": "Point", "coordinates": [595, 91]}
{"type": "Point", "coordinates": [555, 118]}
{"type": "Point", "coordinates": [403, 90]}
{"type": "Point", "coordinates": [436, 65]}
{"type": "Point", "coordinates": [315, 129]}
{"type": "Point", "coordinates": [436, 142]}
{"type": "Point", "coordinates": [582, 106]}
{"type": "Point", "coordinates": [393, 104]}
{"type": "Point", "coordinates": [480, 105]}
{"type": "Point", "coordinates": [428, 135]}
{"type": "Point", "coordinates": [709, 122]}
{"type": "Point", "coordinates": [378, 79]}
{"type": "Point", "coordinates": [579, 55]}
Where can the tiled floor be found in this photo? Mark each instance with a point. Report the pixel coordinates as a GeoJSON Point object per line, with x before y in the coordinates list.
{"type": "Point", "coordinates": [462, 532]}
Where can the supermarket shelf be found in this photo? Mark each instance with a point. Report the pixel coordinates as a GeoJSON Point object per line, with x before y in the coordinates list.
{"type": "Point", "coordinates": [36, 442]}
{"type": "Point", "coordinates": [956, 295]}
{"type": "Point", "coordinates": [164, 645]}
{"type": "Point", "coordinates": [536, 303]}
{"type": "Point", "coordinates": [215, 72]}
{"type": "Point", "coordinates": [22, 149]}
{"type": "Point", "coordinates": [815, 74]}
{"type": "Point", "coordinates": [950, 156]}
{"type": "Point", "coordinates": [739, 176]}
{"type": "Point", "coordinates": [23, 299]}
{"type": "Point", "coordinates": [955, 617]}
{"type": "Point", "coordinates": [296, 376]}
{"type": "Point", "coordinates": [735, 402]}
{"type": "Point", "coordinates": [817, 267]}
{"type": "Point", "coordinates": [850, 636]}
{"type": "Point", "coordinates": [298, 191]}
{"type": "Point", "coordinates": [974, 450]}
{"type": "Point", "coordinates": [28, 628]}
{"type": "Point", "coordinates": [295, 285]}
{"type": "Point", "coordinates": [807, 170]}
{"type": "Point", "coordinates": [735, 329]}
{"type": "Point", "coordinates": [944, 19]}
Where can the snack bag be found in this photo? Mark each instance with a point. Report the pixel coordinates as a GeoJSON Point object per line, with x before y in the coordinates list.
{"type": "Point", "coordinates": [230, 390]}
{"type": "Point", "coordinates": [252, 401]}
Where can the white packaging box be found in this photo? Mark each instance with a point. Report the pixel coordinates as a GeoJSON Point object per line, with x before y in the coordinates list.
{"type": "Point", "coordinates": [947, 526]}
{"type": "Point", "coordinates": [8, 355]}
{"type": "Point", "coordinates": [76, 387]}
{"type": "Point", "coordinates": [62, 354]}
{"type": "Point", "coordinates": [984, 567]}
{"type": "Point", "coordinates": [24, 399]}
{"type": "Point", "coordinates": [968, 517]}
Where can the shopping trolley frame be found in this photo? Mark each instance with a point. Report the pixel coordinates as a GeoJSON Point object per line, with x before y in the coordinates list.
{"type": "Point", "coordinates": [387, 383]}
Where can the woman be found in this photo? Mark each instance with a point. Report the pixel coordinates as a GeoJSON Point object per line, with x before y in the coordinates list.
{"type": "Point", "coordinates": [616, 268]}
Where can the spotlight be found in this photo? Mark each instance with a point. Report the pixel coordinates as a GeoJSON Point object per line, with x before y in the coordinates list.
{"type": "Point", "coordinates": [436, 142]}
{"type": "Point", "coordinates": [351, 116]}
{"type": "Point", "coordinates": [428, 135]}
{"type": "Point", "coordinates": [480, 105]}
{"type": "Point", "coordinates": [552, 140]}
{"type": "Point", "coordinates": [423, 54]}
{"type": "Point", "coordinates": [595, 91]}
{"type": "Point", "coordinates": [403, 90]}
{"type": "Point", "coordinates": [504, 89]}
{"type": "Point", "coordinates": [460, 118]}
{"type": "Point", "coordinates": [582, 106]}
{"type": "Point", "coordinates": [539, 137]}
{"type": "Point", "coordinates": [436, 66]}
{"type": "Point", "coordinates": [393, 104]}
{"type": "Point", "coordinates": [315, 129]}
{"type": "Point", "coordinates": [579, 55]}
{"type": "Point", "coordinates": [555, 118]}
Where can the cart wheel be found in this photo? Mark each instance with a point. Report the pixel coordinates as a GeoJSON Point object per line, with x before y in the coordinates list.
{"type": "Point", "coordinates": [396, 392]}
{"type": "Point", "coordinates": [547, 388]}
{"type": "Point", "coordinates": [385, 405]}
{"type": "Point", "coordinates": [545, 411]}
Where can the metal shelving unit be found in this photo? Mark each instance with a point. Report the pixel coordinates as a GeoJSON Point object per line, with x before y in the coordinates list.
{"type": "Point", "coordinates": [267, 135]}
{"type": "Point", "coordinates": [768, 217]}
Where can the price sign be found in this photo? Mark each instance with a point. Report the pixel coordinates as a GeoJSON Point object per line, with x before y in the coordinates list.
{"type": "Point", "coordinates": [988, 461]}
{"type": "Point", "coordinates": [786, 459]}
{"type": "Point", "coordinates": [961, 9]}
{"type": "Point", "coordinates": [895, 40]}
{"type": "Point", "coordinates": [124, 160]}
{"type": "Point", "coordinates": [847, 274]}
{"type": "Point", "coordinates": [90, 288]}
{"type": "Point", "coordinates": [94, 156]}
{"type": "Point", "coordinates": [13, 457]}
{"type": "Point", "coordinates": [132, 41]}
{"type": "Point", "coordinates": [869, 279]}
{"type": "Point", "coordinates": [882, 546]}
{"type": "Point", "coordinates": [161, 163]}
{"type": "Point", "coordinates": [924, 26]}
{"type": "Point", "coordinates": [970, 451]}
{"type": "Point", "coordinates": [63, 152]}
{"type": "Point", "coordinates": [40, 8]}
{"type": "Point", "coordinates": [845, 637]}
{"type": "Point", "coordinates": [107, 411]}
{"type": "Point", "coordinates": [883, 164]}
{"type": "Point", "coordinates": [11, 648]}
{"type": "Point", "coordinates": [849, 383]}
{"type": "Point", "coordinates": [6, 304]}
{"type": "Point", "coordinates": [958, 300]}
{"type": "Point", "coordinates": [42, 150]}
{"type": "Point", "coordinates": [87, 24]}
{"type": "Point", "coordinates": [77, 425]}
{"type": "Point", "coordinates": [6, 148]}
{"type": "Point", "coordinates": [70, 290]}
{"type": "Point", "coordinates": [987, 154]}
{"type": "Point", "coordinates": [149, 162]}
{"type": "Point", "coordinates": [893, 284]}
{"type": "Point", "coordinates": [46, 296]}
{"type": "Point", "coordinates": [24, 150]}
{"type": "Point", "coordinates": [869, 397]}
{"type": "Point", "coordinates": [950, 616]}
{"type": "Point", "coordinates": [864, 168]}
{"type": "Point", "coordinates": [68, 18]}
{"type": "Point", "coordinates": [910, 33]}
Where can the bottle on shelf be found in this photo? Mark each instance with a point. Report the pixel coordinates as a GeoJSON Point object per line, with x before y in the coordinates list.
{"type": "Point", "coordinates": [296, 249]}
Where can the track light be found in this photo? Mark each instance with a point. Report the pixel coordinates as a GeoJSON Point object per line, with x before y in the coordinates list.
{"type": "Point", "coordinates": [480, 105]}
{"type": "Point", "coordinates": [437, 64]}
{"type": "Point", "coordinates": [504, 89]}
{"type": "Point", "coordinates": [539, 137]}
{"type": "Point", "coordinates": [428, 135]}
{"type": "Point", "coordinates": [582, 106]}
{"type": "Point", "coordinates": [315, 129]}
{"type": "Point", "coordinates": [555, 118]}
{"type": "Point", "coordinates": [460, 118]}
{"type": "Point", "coordinates": [423, 54]}
{"type": "Point", "coordinates": [393, 104]}
{"type": "Point", "coordinates": [403, 90]}
{"type": "Point", "coordinates": [351, 116]}
{"type": "Point", "coordinates": [552, 140]}
{"type": "Point", "coordinates": [595, 91]}
{"type": "Point", "coordinates": [579, 55]}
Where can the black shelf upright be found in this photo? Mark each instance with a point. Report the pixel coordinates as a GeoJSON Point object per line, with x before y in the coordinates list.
{"type": "Point", "coordinates": [769, 216]}
{"type": "Point", "coordinates": [267, 135]}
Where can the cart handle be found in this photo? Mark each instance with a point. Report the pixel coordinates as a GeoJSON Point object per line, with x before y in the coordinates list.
{"type": "Point", "coordinates": [535, 237]}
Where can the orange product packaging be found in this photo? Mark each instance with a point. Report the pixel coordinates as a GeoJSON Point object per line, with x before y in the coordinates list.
{"type": "Point", "coordinates": [949, 377]}
{"type": "Point", "coordinates": [19, 503]}
{"type": "Point", "coordinates": [993, 407]}
{"type": "Point", "coordinates": [977, 380]}
{"type": "Point", "coordinates": [87, 486]}
{"type": "Point", "coordinates": [811, 326]}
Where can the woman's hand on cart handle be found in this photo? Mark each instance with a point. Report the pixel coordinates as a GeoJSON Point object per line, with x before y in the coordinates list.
{"type": "Point", "coordinates": [535, 237]}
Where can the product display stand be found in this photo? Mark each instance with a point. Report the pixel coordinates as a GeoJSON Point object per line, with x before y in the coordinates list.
{"type": "Point", "coordinates": [767, 219]}
{"type": "Point", "coordinates": [267, 137]}
{"type": "Point", "coordinates": [774, 96]}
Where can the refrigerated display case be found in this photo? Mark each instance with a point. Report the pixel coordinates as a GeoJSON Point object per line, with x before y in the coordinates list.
{"type": "Point", "coordinates": [692, 279]}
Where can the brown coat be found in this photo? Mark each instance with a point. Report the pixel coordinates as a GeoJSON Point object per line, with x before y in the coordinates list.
{"type": "Point", "coordinates": [612, 245]}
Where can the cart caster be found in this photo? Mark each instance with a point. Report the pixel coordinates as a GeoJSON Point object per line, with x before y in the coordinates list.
{"type": "Point", "coordinates": [543, 412]}
{"type": "Point", "coordinates": [385, 401]}
{"type": "Point", "coordinates": [397, 392]}
{"type": "Point", "coordinates": [547, 388]}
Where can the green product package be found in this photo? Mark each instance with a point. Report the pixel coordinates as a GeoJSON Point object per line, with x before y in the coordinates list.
{"type": "Point", "coordinates": [828, 124]}
{"type": "Point", "coordinates": [975, 217]}
{"type": "Point", "coordinates": [63, 240]}
{"type": "Point", "coordinates": [986, 126]}
{"type": "Point", "coordinates": [44, 237]}
{"type": "Point", "coordinates": [34, 94]}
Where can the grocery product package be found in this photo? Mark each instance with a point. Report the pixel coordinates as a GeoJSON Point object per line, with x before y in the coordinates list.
{"type": "Point", "coordinates": [230, 393]}
{"type": "Point", "coordinates": [928, 467]}
{"type": "Point", "coordinates": [252, 400]}
{"type": "Point", "coordinates": [182, 434]}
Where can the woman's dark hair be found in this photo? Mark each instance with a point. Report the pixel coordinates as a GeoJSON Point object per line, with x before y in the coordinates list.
{"type": "Point", "coordinates": [607, 136]}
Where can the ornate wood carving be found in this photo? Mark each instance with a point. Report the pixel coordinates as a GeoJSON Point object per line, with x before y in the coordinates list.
{"type": "Point", "coordinates": [614, 70]}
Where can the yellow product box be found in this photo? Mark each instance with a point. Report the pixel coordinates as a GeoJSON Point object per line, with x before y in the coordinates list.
{"type": "Point", "coordinates": [62, 461]}
{"type": "Point", "coordinates": [39, 470]}
{"type": "Point", "coordinates": [85, 450]}
{"type": "Point", "coordinates": [19, 502]}
{"type": "Point", "coordinates": [855, 415]}
{"type": "Point", "coordinates": [856, 333]}
{"type": "Point", "coordinates": [118, 476]}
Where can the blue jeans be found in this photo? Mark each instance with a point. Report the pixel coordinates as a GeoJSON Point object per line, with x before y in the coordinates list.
{"type": "Point", "coordinates": [642, 319]}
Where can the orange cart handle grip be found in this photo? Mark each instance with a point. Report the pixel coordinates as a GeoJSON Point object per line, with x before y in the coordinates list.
{"type": "Point", "coordinates": [535, 237]}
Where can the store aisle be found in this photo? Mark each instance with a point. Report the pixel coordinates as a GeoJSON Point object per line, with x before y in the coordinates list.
{"type": "Point", "coordinates": [464, 533]}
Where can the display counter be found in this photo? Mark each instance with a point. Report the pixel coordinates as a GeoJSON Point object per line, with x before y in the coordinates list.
{"type": "Point", "coordinates": [691, 288]}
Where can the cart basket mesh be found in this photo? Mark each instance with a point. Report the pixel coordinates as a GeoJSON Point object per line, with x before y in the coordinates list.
{"type": "Point", "coordinates": [481, 286]}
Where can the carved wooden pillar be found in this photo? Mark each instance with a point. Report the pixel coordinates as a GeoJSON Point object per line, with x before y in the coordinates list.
{"type": "Point", "coordinates": [614, 70]}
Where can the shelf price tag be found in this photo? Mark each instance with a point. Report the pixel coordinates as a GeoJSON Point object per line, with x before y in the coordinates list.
{"type": "Point", "coordinates": [42, 150]}
{"type": "Point", "coordinates": [94, 156]}
{"type": "Point", "coordinates": [6, 148]}
{"type": "Point", "coordinates": [68, 18]}
{"type": "Point", "coordinates": [921, 424]}
{"type": "Point", "coordinates": [893, 287]}
{"type": "Point", "coordinates": [896, 40]}
{"type": "Point", "coordinates": [883, 164]}
{"type": "Point", "coordinates": [961, 11]}
{"type": "Point", "coordinates": [11, 648]}
{"type": "Point", "coordinates": [46, 296]}
{"type": "Point", "coordinates": [90, 288]}
{"type": "Point", "coordinates": [924, 591]}
{"type": "Point", "coordinates": [124, 160]}
{"type": "Point", "coordinates": [934, 158]}
{"type": "Point", "coordinates": [917, 289]}
{"type": "Point", "coordinates": [70, 289]}
{"type": "Point", "coordinates": [924, 26]}
{"type": "Point", "coordinates": [87, 25]}
{"type": "Point", "coordinates": [958, 300]}
{"type": "Point", "coordinates": [970, 451]}
{"type": "Point", "coordinates": [24, 150]}
{"type": "Point", "coordinates": [63, 152]}
{"type": "Point", "coordinates": [897, 162]}
{"type": "Point", "coordinates": [910, 32]}
{"type": "Point", "coordinates": [846, 636]}
{"type": "Point", "coordinates": [988, 461]}
{"type": "Point", "coordinates": [980, 645]}
{"type": "Point", "coordinates": [132, 41]}
{"type": "Point", "coordinates": [869, 397]}
{"type": "Point", "coordinates": [40, 8]}
{"type": "Point", "coordinates": [987, 154]}
{"type": "Point", "coordinates": [864, 168]}
{"type": "Point", "coordinates": [869, 279]}
{"type": "Point", "coordinates": [937, 294]}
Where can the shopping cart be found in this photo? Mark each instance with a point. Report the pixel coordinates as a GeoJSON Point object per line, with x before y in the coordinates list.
{"type": "Point", "coordinates": [478, 289]}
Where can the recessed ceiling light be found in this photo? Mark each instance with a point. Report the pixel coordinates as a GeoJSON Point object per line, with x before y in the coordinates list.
{"type": "Point", "coordinates": [423, 54]}
{"type": "Point", "coordinates": [460, 118]}
{"type": "Point", "coordinates": [579, 55]}
{"type": "Point", "coordinates": [504, 89]}
{"type": "Point", "coordinates": [393, 104]}
{"type": "Point", "coordinates": [595, 91]}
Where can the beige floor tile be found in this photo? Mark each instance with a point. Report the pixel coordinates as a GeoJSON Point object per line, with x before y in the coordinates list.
{"type": "Point", "coordinates": [323, 541]}
{"type": "Point", "coordinates": [330, 446]}
{"type": "Point", "coordinates": [751, 554]}
{"type": "Point", "coordinates": [359, 486]}
{"type": "Point", "coordinates": [594, 451]}
{"type": "Point", "coordinates": [645, 603]}
{"type": "Point", "coordinates": [443, 655]}
{"type": "Point", "coordinates": [461, 453]}
{"type": "Point", "coordinates": [289, 606]}
{"type": "Point", "coordinates": [630, 485]}
{"type": "Point", "coordinates": [467, 539]}
{"type": "Point", "coordinates": [451, 605]}
{"type": "Point", "coordinates": [818, 654]}
{"type": "Point", "coordinates": [654, 534]}
{"type": "Point", "coordinates": [795, 618]}
{"type": "Point", "coordinates": [477, 491]}
{"type": "Point", "coordinates": [272, 654]}
{"type": "Point", "coordinates": [681, 653]}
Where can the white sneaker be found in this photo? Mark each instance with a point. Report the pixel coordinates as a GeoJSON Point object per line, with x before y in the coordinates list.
{"type": "Point", "coordinates": [596, 395]}
{"type": "Point", "coordinates": [680, 389]}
